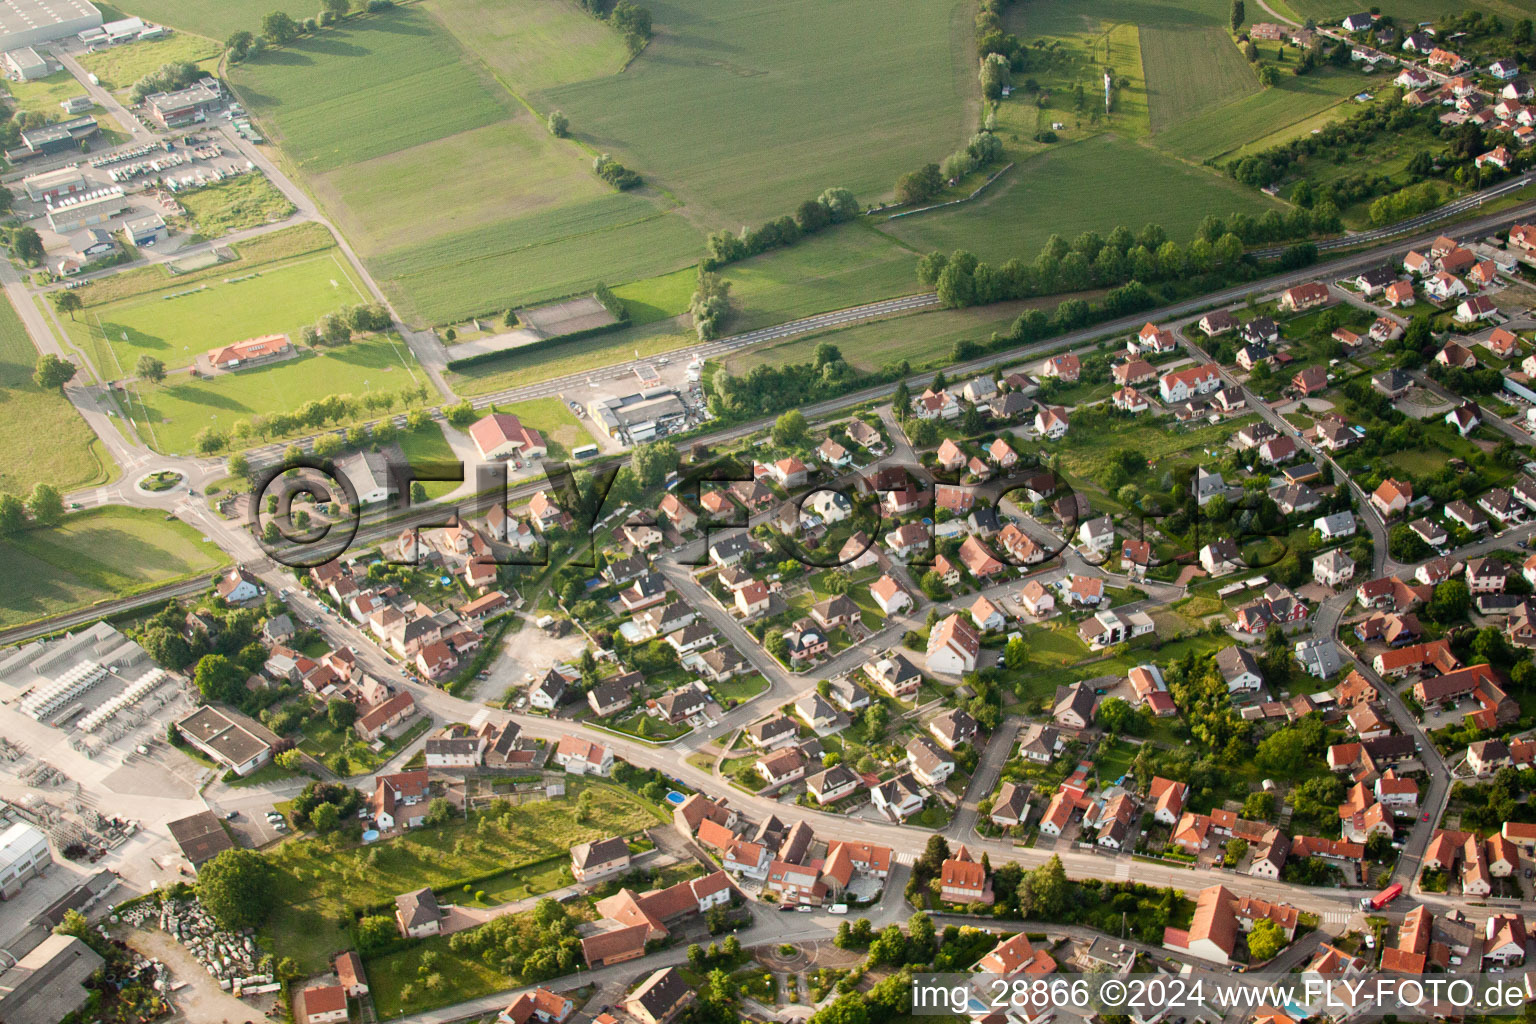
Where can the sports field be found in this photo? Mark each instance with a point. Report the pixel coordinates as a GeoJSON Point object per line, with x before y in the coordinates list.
{"type": "Point", "coordinates": [119, 67]}
{"type": "Point", "coordinates": [1190, 69]}
{"type": "Point", "coordinates": [42, 438]}
{"type": "Point", "coordinates": [745, 110]}
{"type": "Point", "coordinates": [170, 415]}
{"type": "Point", "coordinates": [1096, 185]}
{"type": "Point", "coordinates": [179, 323]}
{"type": "Point", "coordinates": [94, 556]}
{"type": "Point", "coordinates": [533, 44]}
{"type": "Point", "coordinates": [1273, 115]}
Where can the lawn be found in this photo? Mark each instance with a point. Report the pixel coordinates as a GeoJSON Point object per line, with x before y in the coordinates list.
{"type": "Point", "coordinates": [533, 44]}
{"type": "Point", "coordinates": [658, 298]}
{"type": "Point", "coordinates": [181, 322]}
{"type": "Point", "coordinates": [717, 109]}
{"type": "Point", "coordinates": [42, 438]}
{"type": "Point", "coordinates": [320, 883]}
{"type": "Point", "coordinates": [425, 447]}
{"type": "Point", "coordinates": [97, 555]}
{"type": "Point", "coordinates": [1096, 184]}
{"type": "Point", "coordinates": [1266, 118]}
{"type": "Point", "coordinates": [234, 205]}
{"type": "Point", "coordinates": [1190, 69]}
{"type": "Point", "coordinates": [554, 419]}
{"type": "Point", "coordinates": [43, 95]}
{"type": "Point", "coordinates": [119, 67]}
{"type": "Point", "coordinates": [170, 415]}
{"type": "Point", "coordinates": [843, 267]}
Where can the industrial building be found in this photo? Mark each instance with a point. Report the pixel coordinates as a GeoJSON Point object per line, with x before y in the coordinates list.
{"type": "Point", "coordinates": [124, 30]}
{"type": "Point", "coordinates": [145, 230]}
{"type": "Point", "coordinates": [26, 65]}
{"type": "Point", "coordinates": [52, 185]}
{"type": "Point", "coordinates": [48, 984]}
{"type": "Point", "coordinates": [640, 417]}
{"type": "Point", "coordinates": [24, 855]}
{"type": "Point", "coordinates": [86, 209]}
{"type": "Point", "coordinates": [26, 23]}
{"type": "Point", "coordinates": [50, 676]}
{"type": "Point", "coordinates": [233, 740]}
{"type": "Point", "coordinates": [52, 138]}
{"type": "Point", "coordinates": [185, 106]}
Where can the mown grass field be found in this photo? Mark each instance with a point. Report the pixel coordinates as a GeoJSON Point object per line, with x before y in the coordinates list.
{"type": "Point", "coordinates": [1096, 185]}
{"type": "Point", "coordinates": [554, 419]}
{"type": "Point", "coordinates": [745, 110]}
{"type": "Point", "coordinates": [426, 192]}
{"type": "Point", "coordinates": [234, 205]}
{"type": "Point", "coordinates": [177, 328]}
{"type": "Point", "coordinates": [1190, 69]}
{"type": "Point", "coordinates": [215, 20]}
{"type": "Point", "coordinates": [489, 269]}
{"type": "Point", "coordinates": [376, 85]}
{"type": "Point", "coordinates": [1272, 115]}
{"type": "Point", "coordinates": [170, 415]}
{"type": "Point", "coordinates": [94, 556]}
{"type": "Point", "coordinates": [533, 44]}
{"type": "Point", "coordinates": [42, 438]}
{"type": "Point", "coordinates": [320, 882]}
{"type": "Point", "coordinates": [657, 298]}
{"type": "Point", "coordinates": [842, 267]}
{"type": "Point", "coordinates": [118, 67]}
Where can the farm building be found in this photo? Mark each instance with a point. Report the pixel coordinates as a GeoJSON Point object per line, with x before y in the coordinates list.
{"type": "Point", "coordinates": [25, 23]}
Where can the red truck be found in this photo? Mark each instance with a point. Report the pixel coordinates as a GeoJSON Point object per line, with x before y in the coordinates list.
{"type": "Point", "coordinates": [1382, 898]}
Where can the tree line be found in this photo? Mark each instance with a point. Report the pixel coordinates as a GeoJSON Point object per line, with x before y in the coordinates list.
{"type": "Point", "coordinates": [923, 184]}
{"type": "Point", "coordinates": [312, 416]}
{"type": "Point", "coordinates": [1095, 261]}
{"type": "Point", "coordinates": [279, 28]}
{"type": "Point", "coordinates": [632, 21]}
{"type": "Point", "coordinates": [834, 206]}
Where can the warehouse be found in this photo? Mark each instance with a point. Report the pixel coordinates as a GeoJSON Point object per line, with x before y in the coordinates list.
{"type": "Point", "coordinates": [86, 209]}
{"type": "Point", "coordinates": [145, 230]}
{"type": "Point", "coordinates": [29, 22]}
{"type": "Point", "coordinates": [26, 65]}
{"type": "Point", "coordinates": [53, 138]}
{"type": "Point", "coordinates": [50, 185]}
{"type": "Point", "coordinates": [637, 418]}
{"type": "Point", "coordinates": [24, 855]}
{"type": "Point", "coordinates": [48, 984]}
{"type": "Point", "coordinates": [185, 106]}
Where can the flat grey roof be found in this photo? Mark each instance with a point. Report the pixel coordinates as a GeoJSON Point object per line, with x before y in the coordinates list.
{"type": "Point", "coordinates": [28, 15]}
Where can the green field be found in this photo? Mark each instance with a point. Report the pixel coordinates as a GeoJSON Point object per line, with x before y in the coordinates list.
{"type": "Point", "coordinates": [743, 111]}
{"type": "Point", "coordinates": [119, 67]}
{"type": "Point", "coordinates": [1095, 185]}
{"type": "Point", "coordinates": [533, 365]}
{"type": "Point", "coordinates": [170, 415]}
{"type": "Point", "coordinates": [215, 20]}
{"type": "Point", "coordinates": [1269, 117]}
{"type": "Point", "coordinates": [1410, 10]}
{"type": "Point", "coordinates": [491, 268]}
{"type": "Point", "coordinates": [554, 419]}
{"type": "Point", "coordinates": [43, 95]}
{"type": "Point", "coordinates": [407, 197]}
{"type": "Point", "coordinates": [42, 438]}
{"type": "Point", "coordinates": [94, 556]}
{"type": "Point", "coordinates": [322, 881]}
{"type": "Point", "coordinates": [234, 205]}
{"type": "Point", "coordinates": [177, 328]}
{"type": "Point", "coordinates": [843, 267]}
{"type": "Point", "coordinates": [657, 298]}
{"type": "Point", "coordinates": [1191, 69]}
{"type": "Point", "coordinates": [377, 85]}
{"type": "Point", "coordinates": [533, 44]}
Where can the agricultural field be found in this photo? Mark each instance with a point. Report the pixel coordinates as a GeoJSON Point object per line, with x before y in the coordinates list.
{"type": "Point", "coordinates": [118, 67]}
{"type": "Point", "coordinates": [97, 555]}
{"type": "Point", "coordinates": [1266, 118]}
{"type": "Point", "coordinates": [178, 324]}
{"type": "Point", "coordinates": [1096, 185]}
{"type": "Point", "coordinates": [717, 109]}
{"type": "Point", "coordinates": [170, 415]}
{"type": "Point", "coordinates": [42, 438]}
{"type": "Point", "coordinates": [658, 298]}
{"type": "Point", "coordinates": [43, 95]}
{"type": "Point", "coordinates": [1190, 70]}
{"type": "Point", "coordinates": [234, 205]}
{"type": "Point", "coordinates": [214, 20]}
{"type": "Point", "coordinates": [533, 44]}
